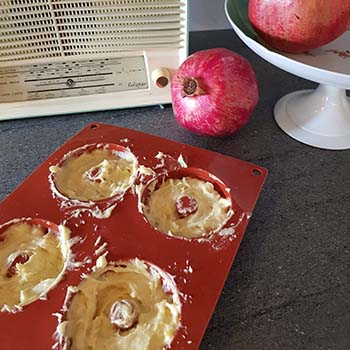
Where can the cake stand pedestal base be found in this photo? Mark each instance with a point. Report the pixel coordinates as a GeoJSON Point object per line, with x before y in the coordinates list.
{"type": "Point", "coordinates": [319, 118]}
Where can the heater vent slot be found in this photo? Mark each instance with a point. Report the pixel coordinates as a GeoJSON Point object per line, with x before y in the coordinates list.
{"type": "Point", "coordinates": [32, 29]}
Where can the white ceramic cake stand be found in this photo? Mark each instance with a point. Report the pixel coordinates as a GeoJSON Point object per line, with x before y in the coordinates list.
{"type": "Point", "coordinates": [320, 117]}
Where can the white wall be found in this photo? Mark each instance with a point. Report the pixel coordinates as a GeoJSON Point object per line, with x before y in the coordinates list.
{"type": "Point", "coordinates": [207, 15]}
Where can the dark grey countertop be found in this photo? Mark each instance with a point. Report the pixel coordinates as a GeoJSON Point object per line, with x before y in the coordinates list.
{"type": "Point", "coordinates": [289, 287]}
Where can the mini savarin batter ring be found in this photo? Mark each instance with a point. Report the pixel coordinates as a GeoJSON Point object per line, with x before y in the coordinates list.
{"type": "Point", "coordinates": [95, 172]}
{"type": "Point", "coordinates": [34, 255]}
{"type": "Point", "coordinates": [187, 207]}
{"type": "Point", "coordinates": [131, 305]}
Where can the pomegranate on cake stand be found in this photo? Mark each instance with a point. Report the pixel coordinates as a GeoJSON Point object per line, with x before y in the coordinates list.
{"type": "Point", "coordinates": [320, 117]}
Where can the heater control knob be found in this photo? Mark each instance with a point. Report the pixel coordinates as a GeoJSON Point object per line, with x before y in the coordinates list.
{"type": "Point", "coordinates": [161, 77]}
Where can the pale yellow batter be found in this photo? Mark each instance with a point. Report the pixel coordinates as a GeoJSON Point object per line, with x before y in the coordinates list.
{"type": "Point", "coordinates": [95, 175]}
{"type": "Point", "coordinates": [211, 213]}
{"type": "Point", "coordinates": [150, 315]}
{"type": "Point", "coordinates": [47, 255]}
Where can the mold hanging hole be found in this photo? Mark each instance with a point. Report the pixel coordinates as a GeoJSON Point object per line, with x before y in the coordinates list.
{"type": "Point", "coordinates": [256, 172]}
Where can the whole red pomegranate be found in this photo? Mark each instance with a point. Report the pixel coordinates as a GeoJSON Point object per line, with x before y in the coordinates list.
{"type": "Point", "coordinates": [214, 92]}
{"type": "Point", "coordinates": [299, 25]}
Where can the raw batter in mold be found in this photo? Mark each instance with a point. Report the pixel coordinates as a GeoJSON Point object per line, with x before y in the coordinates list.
{"type": "Point", "coordinates": [187, 207]}
{"type": "Point", "coordinates": [122, 307]}
{"type": "Point", "coordinates": [96, 175]}
{"type": "Point", "coordinates": [32, 261]}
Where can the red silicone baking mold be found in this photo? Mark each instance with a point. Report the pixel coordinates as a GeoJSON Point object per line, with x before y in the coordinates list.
{"type": "Point", "coordinates": [199, 266]}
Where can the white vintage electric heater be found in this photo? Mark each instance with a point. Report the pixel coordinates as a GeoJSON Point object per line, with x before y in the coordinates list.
{"type": "Point", "coordinates": [68, 56]}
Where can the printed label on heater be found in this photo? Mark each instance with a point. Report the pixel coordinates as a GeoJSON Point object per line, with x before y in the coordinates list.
{"type": "Point", "coordinates": [72, 78]}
